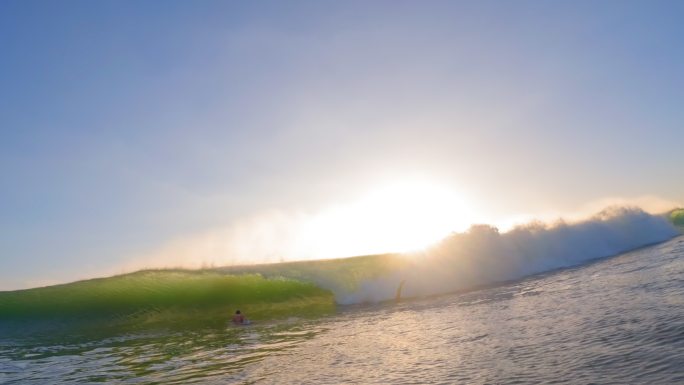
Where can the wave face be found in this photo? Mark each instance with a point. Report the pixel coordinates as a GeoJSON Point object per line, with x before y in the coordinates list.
{"type": "Point", "coordinates": [677, 217]}
{"type": "Point", "coordinates": [162, 297]}
{"type": "Point", "coordinates": [483, 255]}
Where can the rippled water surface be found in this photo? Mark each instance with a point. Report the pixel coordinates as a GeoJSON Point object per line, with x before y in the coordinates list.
{"type": "Point", "coordinates": [618, 320]}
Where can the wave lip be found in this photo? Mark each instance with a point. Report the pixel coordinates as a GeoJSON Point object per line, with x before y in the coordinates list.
{"type": "Point", "coordinates": [483, 255]}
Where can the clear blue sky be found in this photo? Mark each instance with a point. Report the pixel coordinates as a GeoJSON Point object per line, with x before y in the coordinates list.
{"type": "Point", "coordinates": [127, 124]}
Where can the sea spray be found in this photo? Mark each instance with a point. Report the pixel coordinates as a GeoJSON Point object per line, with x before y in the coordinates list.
{"type": "Point", "coordinates": [483, 255]}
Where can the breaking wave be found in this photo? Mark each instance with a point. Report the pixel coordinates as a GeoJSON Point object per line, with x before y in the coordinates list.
{"type": "Point", "coordinates": [483, 255]}
{"type": "Point", "coordinates": [463, 261]}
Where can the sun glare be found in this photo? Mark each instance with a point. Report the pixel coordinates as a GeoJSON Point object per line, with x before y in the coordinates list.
{"type": "Point", "coordinates": [396, 217]}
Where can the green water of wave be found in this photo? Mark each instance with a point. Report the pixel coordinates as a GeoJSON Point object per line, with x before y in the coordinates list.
{"type": "Point", "coordinates": [677, 217]}
{"type": "Point", "coordinates": [197, 297]}
{"type": "Point", "coordinates": [167, 296]}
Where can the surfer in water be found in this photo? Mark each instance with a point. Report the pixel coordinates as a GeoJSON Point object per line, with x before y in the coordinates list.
{"type": "Point", "coordinates": [239, 318]}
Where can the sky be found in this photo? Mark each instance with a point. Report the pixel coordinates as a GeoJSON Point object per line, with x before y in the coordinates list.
{"type": "Point", "coordinates": [174, 133]}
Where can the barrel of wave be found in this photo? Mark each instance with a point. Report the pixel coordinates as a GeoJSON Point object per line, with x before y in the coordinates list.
{"type": "Point", "coordinates": [169, 297]}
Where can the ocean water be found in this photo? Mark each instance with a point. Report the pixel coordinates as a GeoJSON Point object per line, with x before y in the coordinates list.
{"type": "Point", "coordinates": [617, 320]}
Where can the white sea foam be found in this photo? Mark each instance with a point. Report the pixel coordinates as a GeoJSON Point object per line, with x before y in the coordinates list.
{"type": "Point", "coordinates": [483, 255]}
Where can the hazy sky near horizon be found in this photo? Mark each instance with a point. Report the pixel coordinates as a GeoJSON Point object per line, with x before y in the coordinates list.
{"type": "Point", "coordinates": [127, 126]}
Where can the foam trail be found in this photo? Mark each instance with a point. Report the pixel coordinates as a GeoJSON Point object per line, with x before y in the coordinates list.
{"type": "Point", "coordinates": [483, 255]}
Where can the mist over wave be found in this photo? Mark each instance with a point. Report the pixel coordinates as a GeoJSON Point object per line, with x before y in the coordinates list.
{"type": "Point", "coordinates": [483, 255]}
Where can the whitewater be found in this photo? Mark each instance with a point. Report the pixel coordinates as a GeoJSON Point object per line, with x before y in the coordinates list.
{"type": "Point", "coordinates": [596, 301]}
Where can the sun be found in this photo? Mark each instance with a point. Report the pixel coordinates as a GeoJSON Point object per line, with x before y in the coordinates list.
{"type": "Point", "coordinates": [401, 216]}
